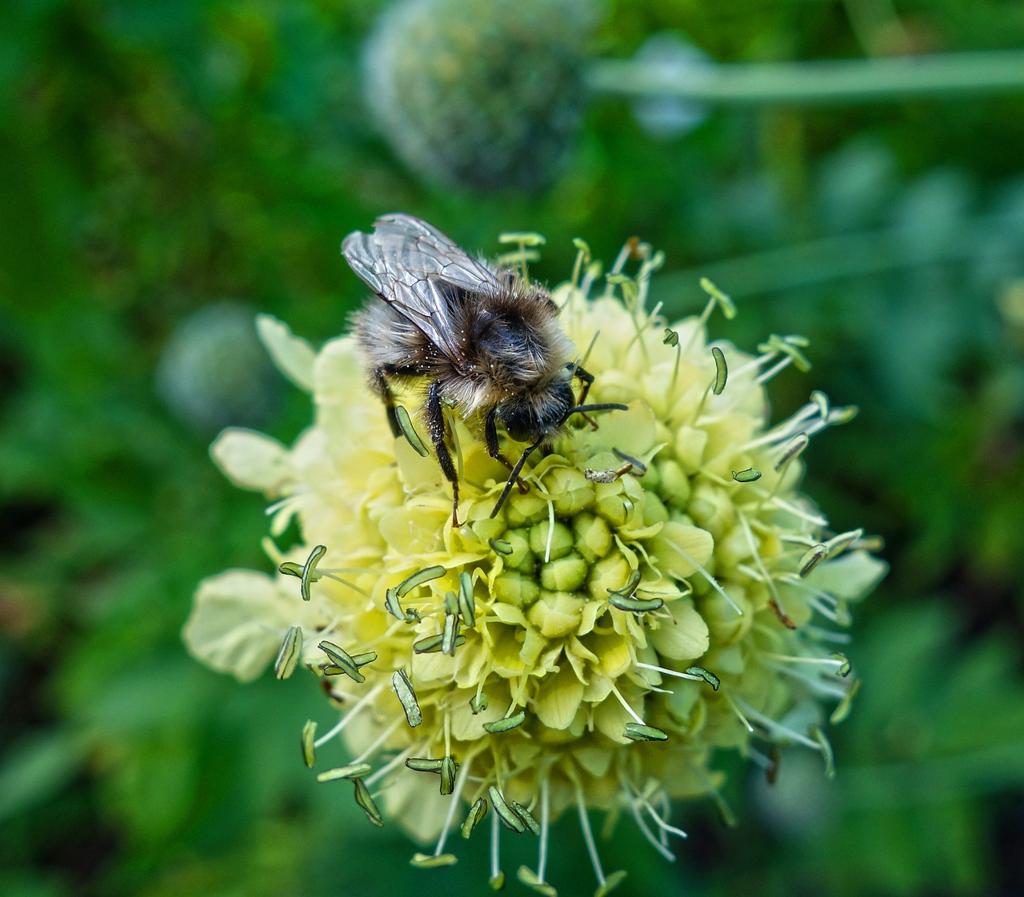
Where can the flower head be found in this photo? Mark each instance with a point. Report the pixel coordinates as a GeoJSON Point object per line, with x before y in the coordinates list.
{"type": "Point", "coordinates": [213, 370]}
{"type": "Point", "coordinates": [660, 592]}
{"type": "Point", "coordinates": [481, 94]}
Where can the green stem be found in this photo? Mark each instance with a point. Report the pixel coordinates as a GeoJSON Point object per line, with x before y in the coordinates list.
{"type": "Point", "coordinates": [831, 259]}
{"type": "Point", "coordinates": [841, 81]}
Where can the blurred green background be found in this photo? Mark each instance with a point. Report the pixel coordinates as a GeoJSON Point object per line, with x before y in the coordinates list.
{"type": "Point", "coordinates": [181, 164]}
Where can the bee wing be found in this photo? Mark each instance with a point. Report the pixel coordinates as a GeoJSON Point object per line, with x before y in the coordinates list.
{"type": "Point", "coordinates": [408, 263]}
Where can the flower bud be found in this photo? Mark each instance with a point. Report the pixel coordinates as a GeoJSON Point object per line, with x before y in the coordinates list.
{"type": "Point", "coordinates": [569, 489]}
{"type": "Point", "coordinates": [542, 536]}
{"type": "Point", "coordinates": [515, 588]}
{"type": "Point", "coordinates": [593, 537]}
{"type": "Point", "coordinates": [566, 574]}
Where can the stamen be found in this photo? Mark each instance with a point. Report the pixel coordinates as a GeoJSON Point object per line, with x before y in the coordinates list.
{"type": "Point", "coordinates": [450, 634]}
{"type": "Point", "coordinates": [775, 369]}
{"type": "Point", "coordinates": [394, 607]}
{"type": "Point", "coordinates": [583, 257]}
{"type": "Point", "coordinates": [789, 346]}
{"type": "Point", "coordinates": [308, 744]}
{"type": "Point", "coordinates": [367, 657]}
{"type": "Point", "coordinates": [342, 660]}
{"type": "Point", "coordinates": [426, 861]}
{"type": "Point", "coordinates": [814, 556]}
{"type": "Point", "coordinates": [839, 661]}
{"type": "Point", "coordinates": [352, 771]}
{"type": "Point", "coordinates": [588, 837]}
{"type": "Point", "coordinates": [634, 806]}
{"type": "Point", "coordinates": [390, 765]}
{"type": "Point", "coordinates": [630, 585]}
{"type": "Point", "coordinates": [307, 573]}
{"type": "Point", "coordinates": [775, 602]}
{"type": "Point", "coordinates": [478, 703]}
{"type": "Point", "coordinates": [467, 607]}
{"type": "Point", "coordinates": [542, 855]}
{"type": "Point", "coordinates": [402, 686]}
{"type": "Point", "coordinates": [379, 740]}
{"type": "Point", "coordinates": [838, 544]}
{"type": "Point", "coordinates": [551, 531]}
{"type": "Point", "coordinates": [592, 273]}
{"type": "Point", "coordinates": [635, 605]}
{"type": "Point", "coordinates": [843, 709]}
{"type": "Point", "coordinates": [309, 568]}
{"type": "Point", "coordinates": [721, 371]}
{"type": "Point", "coordinates": [826, 751]}
{"type": "Point", "coordinates": [352, 713]}
{"type": "Point", "coordinates": [365, 801]}
{"type": "Point", "coordinates": [816, 685]}
{"type": "Point", "coordinates": [774, 726]}
{"type": "Point", "coordinates": [747, 475]}
{"type": "Point", "coordinates": [501, 546]}
{"type": "Point", "coordinates": [711, 581]}
{"type": "Point", "coordinates": [447, 774]}
{"type": "Point", "coordinates": [504, 812]}
{"type": "Point", "coordinates": [706, 675]}
{"type": "Point", "coordinates": [590, 348]}
{"type": "Point", "coordinates": [418, 579]}
{"type": "Point", "coordinates": [476, 814]}
{"type": "Point", "coordinates": [721, 299]}
{"type": "Point", "coordinates": [739, 713]}
{"type": "Point", "coordinates": [534, 882]}
{"type": "Point", "coordinates": [695, 674]}
{"type": "Point", "coordinates": [409, 432]}
{"type": "Point", "coordinates": [497, 880]}
{"type": "Point", "coordinates": [453, 805]}
{"type": "Point", "coordinates": [639, 732]}
{"type": "Point", "coordinates": [451, 603]}
{"type": "Point", "coordinates": [826, 635]}
{"type": "Point", "coordinates": [525, 815]}
{"type": "Point", "coordinates": [790, 508]}
{"type": "Point", "coordinates": [505, 723]}
{"type": "Point", "coordinates": [289, 654]}
{"type": "Point", "coordinates": [792, 451]}
{"type": "Point", "coordinates": [662, 824]}
{"type": "Point", "coordinates": [434, 643]}
{"type": "Point", "coordinates": [626, 706]}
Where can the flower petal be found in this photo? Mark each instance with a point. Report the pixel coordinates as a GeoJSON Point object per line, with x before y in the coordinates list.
{"type": "Point", "coordinates": [251, 460]}
{"type": "Point", "coordinates": [851, 575]}
{"type": "Point", "coordinates": [681, 548]}
{"type": "Point", "coordinates": [293, 356]}
{"type": "Point", "coordinates": [237, 622]}
{"type": "Point", "coordinates": [687, 639]}
{"type": "Point", "coordinates": [560, 698]}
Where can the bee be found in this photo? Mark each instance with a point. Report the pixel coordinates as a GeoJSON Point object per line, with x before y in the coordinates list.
{"type": "Point", "coordinates": [474, 338]}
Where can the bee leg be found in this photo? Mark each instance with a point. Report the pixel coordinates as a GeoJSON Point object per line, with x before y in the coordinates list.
{"type": "Point", "coordinates": [493, 449]}
{"type": "Point", "coordinates": [529, 450]}
{"type": "Point", "coordinates": [435, 423]}
{"type": "Point", "coordinates": [587, 379]}
{"type": "Point", "coordinates": [379, 384]}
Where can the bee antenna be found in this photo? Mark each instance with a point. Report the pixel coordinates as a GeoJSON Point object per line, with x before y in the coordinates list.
{"type": "Point", "coordinates": [605, 406]}
{"type": "Point", "coordinates": [514, 476]}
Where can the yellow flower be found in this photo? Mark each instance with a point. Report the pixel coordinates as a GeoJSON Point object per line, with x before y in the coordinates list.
{"type": "Point", "coordinates": [661, 592]}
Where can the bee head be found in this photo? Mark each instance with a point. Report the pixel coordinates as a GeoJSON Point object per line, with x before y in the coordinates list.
{"type": "Point", "coordinates": [533, 416]}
